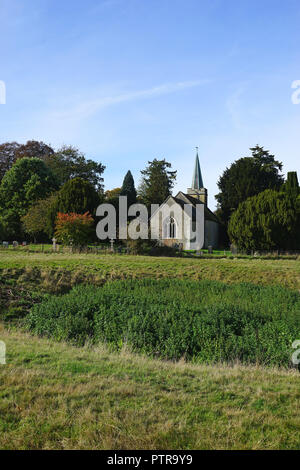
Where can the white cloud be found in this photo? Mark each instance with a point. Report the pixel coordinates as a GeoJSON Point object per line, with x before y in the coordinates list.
{"type": "Point", "coordinates": [87, 108]}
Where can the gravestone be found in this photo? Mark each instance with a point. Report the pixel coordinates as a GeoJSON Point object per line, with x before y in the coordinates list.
{"type": "Point", "coordinates": [233, 249]}
{"type": "Point", "coordinates": [54, 246]}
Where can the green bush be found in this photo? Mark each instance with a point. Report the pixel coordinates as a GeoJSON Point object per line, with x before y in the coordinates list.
{"type": "Point", "coordinates": [203, 321]}
{"type": "Point", "coordinates": [148, 248]}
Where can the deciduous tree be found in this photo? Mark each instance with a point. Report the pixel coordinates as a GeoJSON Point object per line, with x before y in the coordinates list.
{"type": "Point", "coordinates": [37, 221]}
{"type": "Point", "coordinates": [27, 181]}
{"type": "Point", "coordinates": [69, 163]}
{"type": "Point", "coordinates": [74, 228]}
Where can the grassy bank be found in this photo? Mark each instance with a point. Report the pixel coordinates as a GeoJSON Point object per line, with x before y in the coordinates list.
{"type": "Point", "coordinates": [57, 272]}
{"type": "Point", "coordinates": [55, 396]}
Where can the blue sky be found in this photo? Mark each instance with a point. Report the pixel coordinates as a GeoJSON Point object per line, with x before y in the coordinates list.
{"type": "Point", "coordinates": [131, 80]}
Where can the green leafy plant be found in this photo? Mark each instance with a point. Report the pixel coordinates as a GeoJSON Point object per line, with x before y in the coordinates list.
{"type": "Point", "coordinates": [202, 321]}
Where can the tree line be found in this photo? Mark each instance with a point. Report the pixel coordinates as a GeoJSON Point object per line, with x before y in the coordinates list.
{"type": "Point", "coordinates": [46, 192]}
{"type": "Point", "coordinates": [259, 209]}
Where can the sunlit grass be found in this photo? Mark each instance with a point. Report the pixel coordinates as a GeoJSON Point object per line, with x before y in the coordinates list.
{"type": "Point", "coordinates": [69, 268]}
{"type": "Point", "coordinates": [55, 396]}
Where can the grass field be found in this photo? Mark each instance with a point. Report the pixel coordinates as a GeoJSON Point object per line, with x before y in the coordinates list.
{"type": "Point", "coordinates": [64, 270]}
{"type": "Point", "coordinates": [57, 396]}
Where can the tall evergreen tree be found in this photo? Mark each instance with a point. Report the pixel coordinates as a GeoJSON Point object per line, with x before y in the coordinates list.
{"type": "Point", "coordinates": [157, 182]}
{"type": "Point", "coordinates": [128, 188]}
{"type": "Point", "coordinates": [291, 186]}
{"type": "Point", "coordinates": [269, 220]}
{"type": "Point", "coordinates": [78, 196]}
{"type": "Point", "coordinates": [245, 178]}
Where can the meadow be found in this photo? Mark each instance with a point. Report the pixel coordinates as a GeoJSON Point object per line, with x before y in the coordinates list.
{"type": "Point", "coordinates": [103, 351]}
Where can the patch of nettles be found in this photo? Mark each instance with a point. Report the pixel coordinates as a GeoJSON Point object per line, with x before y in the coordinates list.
{"type": "Point", "coordinates": [201, 321]}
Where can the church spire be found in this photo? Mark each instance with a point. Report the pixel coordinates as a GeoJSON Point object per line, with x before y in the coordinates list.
{"type": "Point", "coordinates": [197, 182]}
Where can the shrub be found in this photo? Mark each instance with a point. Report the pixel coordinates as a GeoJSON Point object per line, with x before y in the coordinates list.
{"type": "Point", "coordinates": [148, 247]}
{"type": "Point", "coordinates": [203, 321]}
{"type": "Point", "coordinates": [74, 228]}
{"type": "Point", "coordinates": [265, 222]}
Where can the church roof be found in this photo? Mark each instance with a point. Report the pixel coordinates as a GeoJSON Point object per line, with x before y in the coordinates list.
{"type": "Point", "coordinates": [183, 198]}
{"type": "Point", "coordinates": [197, 182]}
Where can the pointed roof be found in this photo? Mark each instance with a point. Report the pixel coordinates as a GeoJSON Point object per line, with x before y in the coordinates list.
{"type": "Point", "coordinates": [197, 182]}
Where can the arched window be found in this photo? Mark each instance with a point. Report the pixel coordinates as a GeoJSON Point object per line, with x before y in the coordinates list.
{"type": "Point", "coordinates": [172, 228]}
{"type": "Point", "coordinates": [169, 228]}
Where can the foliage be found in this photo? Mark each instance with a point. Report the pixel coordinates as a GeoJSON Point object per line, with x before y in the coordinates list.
{"type": "Point", "coordinates": [202, 321]}
{"type": "Point", "coordinates": [2, 230]}
{"type": "Point", "coordinates": [112, 194]}
{"type": "Point", "coordinates": [37, 220]}
{"type": "Point", "coordinates": [112, 197]}
{"type": "Point", "coordinates": [34, 149]}
{"type": "Point", "coordinates": [157, 182]}
{"type": "Point", "coordinates": [128, 189]}
{"type": "Point", "coordinates": [74, 228]}
{"type": "Point", "coordinates": [267, 221]}
{"type": "Point", "coordinates": [66, 163]}
{"type": "Point", "coordinates": [7, 157]}
{"type": "Point", "coordinates": [291, 186]}
{"type": "Point", "coordinates": [27, 181]}
{"type": "Point", "coordinates": [148, 247]}
{"type": "Point", "coordinates": [247, 177]}
{"type": "Point", "coordinates": [10, 152]}
{"type": "Point", "coordinates": [69, 163]}
{"type": "Point", "coordinates": [77, 195]}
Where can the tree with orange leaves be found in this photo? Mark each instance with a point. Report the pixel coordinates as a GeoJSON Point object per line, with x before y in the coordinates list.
{"type": "Point", "coordinates": [74, 228]}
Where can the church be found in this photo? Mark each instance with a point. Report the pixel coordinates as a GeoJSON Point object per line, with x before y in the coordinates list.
{"type": "Point", "coordinates": [185, 221]}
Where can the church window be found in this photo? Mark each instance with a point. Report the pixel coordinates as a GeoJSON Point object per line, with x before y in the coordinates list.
{"type": "Point", "coordinates": [172, 228]}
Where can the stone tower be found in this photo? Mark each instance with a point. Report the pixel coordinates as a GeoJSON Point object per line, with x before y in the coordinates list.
{"type": "Point", "coordinates": [197, 190]}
